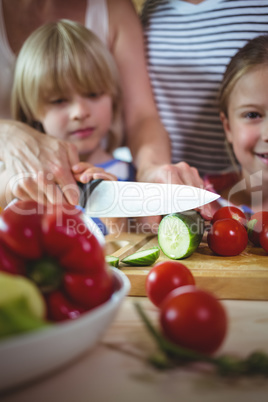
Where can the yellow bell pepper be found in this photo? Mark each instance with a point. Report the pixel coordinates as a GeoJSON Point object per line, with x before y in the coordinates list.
{"type": "Point", "coordinates": [22, 306]}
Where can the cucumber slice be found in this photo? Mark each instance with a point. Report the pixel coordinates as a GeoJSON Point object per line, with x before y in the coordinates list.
{"type": "Point", "coordinates": [111, 260]}
{"type": "Point", "coordinates": [180, 234]}
{"type": "Point", "coordinates": [143, 257]}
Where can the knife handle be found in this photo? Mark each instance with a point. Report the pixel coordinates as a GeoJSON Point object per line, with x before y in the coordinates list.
{"type": "Point", "coordinates": [86, 190]}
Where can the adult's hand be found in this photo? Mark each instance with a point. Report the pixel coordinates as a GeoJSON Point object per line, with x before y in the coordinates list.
{"type": "Point", "coordinates": [182, 173]}
{"type": "Point", "coordinates": [179, 173]}
{"type": "Point", "coordinates": [38, 166]}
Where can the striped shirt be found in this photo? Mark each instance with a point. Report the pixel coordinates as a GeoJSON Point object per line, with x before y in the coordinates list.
{"type": "Point", "coordinates": [188, 48]}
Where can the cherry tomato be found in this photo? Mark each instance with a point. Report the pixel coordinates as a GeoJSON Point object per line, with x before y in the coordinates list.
{"type": "Point", "coordinates": [194, 319]}
{"type": "Point", "coordinates": [255, 225]}
{"type": "Point", "coordinates": [264, 237]}
{"type": "Point", "coordinates": [164, 277]}
{"type": "Point", "coordinates": [230, 212]}
{"type": "Point", "coordinates": [227, 237]}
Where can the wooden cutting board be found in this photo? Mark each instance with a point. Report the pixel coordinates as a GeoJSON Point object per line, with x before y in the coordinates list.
{"type": "Point", "coordinates": [241, 277]}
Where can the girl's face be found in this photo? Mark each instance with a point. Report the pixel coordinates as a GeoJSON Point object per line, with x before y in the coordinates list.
{"type": "Point", "coordinates": [83, 119]}
{"type": "Point", "coordinates": [247, 124]}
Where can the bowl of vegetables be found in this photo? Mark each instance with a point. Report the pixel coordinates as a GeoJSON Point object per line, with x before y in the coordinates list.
{"type": "Point", "coordinates": [58, 294]}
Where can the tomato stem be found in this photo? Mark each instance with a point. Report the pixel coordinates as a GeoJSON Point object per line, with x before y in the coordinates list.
{"type": "Point", "coordinates": [172, 355]}
{"type": "Point", "coordinates": [169, 348]}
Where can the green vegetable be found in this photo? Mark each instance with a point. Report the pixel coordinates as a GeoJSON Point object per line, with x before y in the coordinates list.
{"type": "Point", "coordinates": [22, 307]}
{"type": "Point", "coordinates": [17, 317]}
{"type": "Point", "coordinates": [111, 260]}
{"type": "Point", "coordinates": [16, 286]}
{"type": "Point", "coordinates": [143, 257]}
{"type": "Point", "coordinates": [180, 234]}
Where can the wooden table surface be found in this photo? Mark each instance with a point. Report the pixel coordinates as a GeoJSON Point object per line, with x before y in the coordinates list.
{"type": "Point", "coordinates": [242, 277]}
{"type": "Point", "coordinates": [116, 370]}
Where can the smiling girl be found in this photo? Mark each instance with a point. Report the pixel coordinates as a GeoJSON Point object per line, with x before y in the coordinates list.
{"type": "Point", "coordinates": [244, 115]}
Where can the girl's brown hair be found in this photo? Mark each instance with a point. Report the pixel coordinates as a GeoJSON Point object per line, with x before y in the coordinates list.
{"type": "Point", "coordinates": [252, 55]}
{"type": "Point", "coordinates": [59, 55]}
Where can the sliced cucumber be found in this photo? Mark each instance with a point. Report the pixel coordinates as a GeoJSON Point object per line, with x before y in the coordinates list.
{"type": "Point", "coordinates": [180, 234]}
{"type": "Point", "coordinates": [111, 260]}
{"type": "Point", "coordinates": [143, 257]}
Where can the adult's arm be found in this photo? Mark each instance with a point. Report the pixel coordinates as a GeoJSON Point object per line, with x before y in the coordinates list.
{"type": "Point", "coordinates": [146, 136]}
{"type": "Point", "coordinates": [36, 166]}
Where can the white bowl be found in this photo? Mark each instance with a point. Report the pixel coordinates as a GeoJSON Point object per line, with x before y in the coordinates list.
{"type": "Point", "coordinates": [28, 356]}
{"type": "Point", "coordinates": [94, 229]}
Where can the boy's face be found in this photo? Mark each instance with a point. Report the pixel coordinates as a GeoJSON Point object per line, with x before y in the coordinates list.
{"type": "Point", "coordinates": [247, 124]}
{"type": "Point", "coordinates": [83, 119]}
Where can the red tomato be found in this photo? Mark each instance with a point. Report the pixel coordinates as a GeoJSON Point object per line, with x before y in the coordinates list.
{"type": "Point", "coordinates": [264, 237]}
{"type": "Point", "coordinates": [227, 237]}
{"type": "Point", "coordinates": [230, 212]}
{"type": "Point", "coordinates": [194, 319]}
{"type": "Point", "coordinates": [255, 225]}
{"type": "Point", "coordinates": [164, 277]}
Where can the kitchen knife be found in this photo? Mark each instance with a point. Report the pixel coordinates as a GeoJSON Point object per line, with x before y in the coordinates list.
{"type": "Point", "coordinates": [104, 198]}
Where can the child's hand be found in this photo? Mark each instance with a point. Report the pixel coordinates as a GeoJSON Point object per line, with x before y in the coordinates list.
{"type": "Point", "coordinates": [84, 172]}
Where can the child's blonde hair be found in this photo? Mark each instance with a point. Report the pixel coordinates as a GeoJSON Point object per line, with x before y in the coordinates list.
{"type": "Point", "coordinates": [251, 56]}
{"type": "Point", "coordinates": [58, 56]}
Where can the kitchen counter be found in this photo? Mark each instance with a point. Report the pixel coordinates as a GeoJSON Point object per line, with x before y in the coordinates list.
{"type": "Point", "coordinates": [116, 370]}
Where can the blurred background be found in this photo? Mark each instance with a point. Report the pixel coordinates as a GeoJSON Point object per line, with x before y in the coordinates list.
{"type": "Point", "coordinates": [138, 4]}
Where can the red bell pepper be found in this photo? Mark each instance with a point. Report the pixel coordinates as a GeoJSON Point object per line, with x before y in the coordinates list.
{"type": "Point", "coordinates": [57, 251]}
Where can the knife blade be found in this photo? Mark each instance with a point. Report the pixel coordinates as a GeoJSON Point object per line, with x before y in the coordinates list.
{"type": "Point", "coordinates": [117, 199]}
